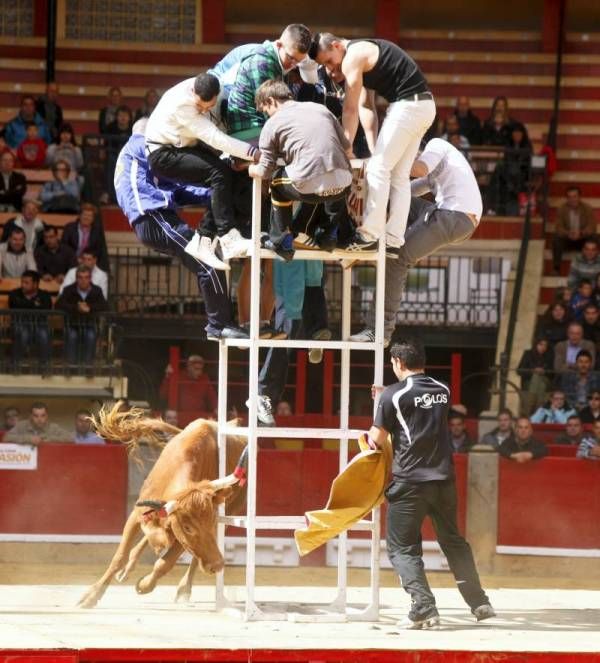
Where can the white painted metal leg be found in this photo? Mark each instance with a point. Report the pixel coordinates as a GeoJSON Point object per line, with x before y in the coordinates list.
{"type": "Point", "coordinates": [220, 599]}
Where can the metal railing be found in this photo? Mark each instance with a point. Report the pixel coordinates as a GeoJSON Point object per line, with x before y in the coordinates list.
{"type": "Point", "coordinates": [442, 290]}
{"type": "Point", "coordinates": [53, 343]}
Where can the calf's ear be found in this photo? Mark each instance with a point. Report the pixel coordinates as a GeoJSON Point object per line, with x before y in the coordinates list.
{"type": "Point", "coordinates": [222, 495]}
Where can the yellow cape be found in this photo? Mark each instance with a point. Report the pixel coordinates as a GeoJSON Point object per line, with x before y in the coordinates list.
{"type": "Point", "coordinates": [356, 491]}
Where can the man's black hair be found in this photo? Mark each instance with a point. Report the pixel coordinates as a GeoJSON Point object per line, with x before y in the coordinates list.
{"type": "Point", "coordinates": [410, 352]}
{"type": "Point", "coordinates": [584, 353]}
{"type": "Point", "coordinates": [206, 86]}
{"type": "Point", "coordinates": [31, 274]}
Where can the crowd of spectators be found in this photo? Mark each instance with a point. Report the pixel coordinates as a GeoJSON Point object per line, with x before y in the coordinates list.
{"type": "Point", "coordinates": [38, 428]}
{"type": "Point", "coordinates": [508, 186]}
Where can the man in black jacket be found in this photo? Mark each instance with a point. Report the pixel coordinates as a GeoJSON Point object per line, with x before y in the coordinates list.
{"type": "Point", "coordinates": [54, 259]}
{"type": "Point", "coordinates": [30, 329]}
{"type": "Point", "coordinates": [523, 447]}
{"type": "Point", "coordinates": [12, 185]}
{"type": "Point", "coordinates": [87, 233]}
{"type": "Point", "coordinates": [81, 301]}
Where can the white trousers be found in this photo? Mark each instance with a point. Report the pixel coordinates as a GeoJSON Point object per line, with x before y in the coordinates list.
{"type": "Point", "coordinates": [388, 169]}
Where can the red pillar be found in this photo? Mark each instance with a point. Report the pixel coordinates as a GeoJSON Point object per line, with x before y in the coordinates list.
{"type": "Point", "coordinates": [551, 25]}
{"type": "Point", "coordinates": [213, 21]}
{"type": "Point", "coordinates": [173, 394]}
{"type": "Point", "coordinates": [300, 401]}
{"type": "Point", "coordinates": [455, 376]}
{"type": "Point", "coordinates": [387, 19]}
{"type": "Point", "coordinates": [328, 382]}
{"type": "Point", "coordinates": [40, 18]}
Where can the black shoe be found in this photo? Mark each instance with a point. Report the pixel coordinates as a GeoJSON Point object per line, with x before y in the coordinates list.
{"type": "Point", "coordinates": [326, 238]}
{"type": "Point", "coordinates": [284, 250]}
{"type": "Point", "coordinates": [226, 332]}
{"type": "Point", "coordinates": [358, 243]}
{"type": "Point", "coordinates": [392, 252]}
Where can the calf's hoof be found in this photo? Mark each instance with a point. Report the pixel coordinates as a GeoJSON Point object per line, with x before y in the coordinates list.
{"type": "Point", "coordinates": [145, 585]}
{"type": "Point", "coordinates": [87, 601]}
{"type": "Point", "coordinates": [183, 595]}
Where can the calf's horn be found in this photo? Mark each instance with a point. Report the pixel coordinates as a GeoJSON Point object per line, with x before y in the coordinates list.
{"type": "Point", "coordinates": [237, 476]}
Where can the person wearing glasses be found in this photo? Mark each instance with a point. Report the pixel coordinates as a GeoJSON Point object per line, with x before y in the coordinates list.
{"type": "Point", "coordinates": [590, 414]}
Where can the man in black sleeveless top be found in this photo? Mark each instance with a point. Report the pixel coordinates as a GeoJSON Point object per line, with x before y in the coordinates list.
{"type": "Point", "coordinates": [370, 67]}
{"type": "Point", "coordinates": [414, 411]}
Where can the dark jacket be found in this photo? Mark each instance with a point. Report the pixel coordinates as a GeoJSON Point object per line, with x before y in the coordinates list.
{"type": "Point", "coordinates": [532, 359]}
{"type": "Point", "coordinates": [55, 262]}
{"type": "Point", "coordinates": [17, 300]}
{"type": "Point", "coordinates": [510, 446]}
{"type": "Point", "coordinates": [52, 114]}
{"type": "Point", "coordinates": [587, 416]}
{"type": "Point", "coordinates": [96, 243]}
{"type": "Point", "coordinates": [470, 127]}
{"type": "Point", "coordinates": [70, 298]}
{"type": "Point", "coordinates": [17, 185]}
{"type": "Point", "coordinates": [492, 136]}
{"type": "Point", "coordinates": [553, 331]}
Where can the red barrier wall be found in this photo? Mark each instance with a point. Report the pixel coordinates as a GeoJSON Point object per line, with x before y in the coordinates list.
{"type": "Point", "coordinates": [77, 489]}
{"type": "Point", "coordinates": [551, 502]}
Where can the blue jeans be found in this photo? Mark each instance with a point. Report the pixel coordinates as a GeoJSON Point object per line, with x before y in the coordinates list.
{"type": "Point", "coordinates": [80, 343]}
{"type": "Point", "coordinates": [29, 335]}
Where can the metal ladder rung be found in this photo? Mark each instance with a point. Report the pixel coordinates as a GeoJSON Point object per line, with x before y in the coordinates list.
{"type": "Point", "coordinates": [286, 522]}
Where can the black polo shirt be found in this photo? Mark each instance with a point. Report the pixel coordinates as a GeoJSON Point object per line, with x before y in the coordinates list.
{"type": "Point", "coordinates": [415, 413]}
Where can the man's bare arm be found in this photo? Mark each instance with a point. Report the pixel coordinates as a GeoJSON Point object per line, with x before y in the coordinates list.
{"type": "Point", "coordinates": [352, 68]}
{"type": "Point", "coordinates": [367, 112]}
{"type": "Point", "coordinates": [378, 435]}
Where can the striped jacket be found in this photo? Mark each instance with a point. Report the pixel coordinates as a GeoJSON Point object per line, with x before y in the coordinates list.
{"type": "Point", "coordinates": [585, 446]}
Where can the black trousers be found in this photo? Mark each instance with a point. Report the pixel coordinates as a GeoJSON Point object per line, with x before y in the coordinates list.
{"type": "Point", "coordinates": [199, 165]}
{"type": "Point", "coordinates": [409, 503]}
{"type": "Point", "coordinates": [283, 193]}
{"type": "Point", "coordinates": [165, 232]}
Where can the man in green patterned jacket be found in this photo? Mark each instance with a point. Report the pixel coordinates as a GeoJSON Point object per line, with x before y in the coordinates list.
{"type": "Point", "coordinates": [270, 60]}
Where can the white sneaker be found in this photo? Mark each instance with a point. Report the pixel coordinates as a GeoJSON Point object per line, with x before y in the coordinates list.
{"type": "Point", "coordinates": [202, 248]}
{"type": "Point", "coordinates": [407, 624]}
{"type": "Point", "coordinates": [233, 245]}
{"type": "Point", "coordinates": [367, 335]}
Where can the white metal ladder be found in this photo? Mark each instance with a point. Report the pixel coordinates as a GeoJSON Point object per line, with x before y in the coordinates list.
{"type": "Point", "coordinates": [338, 609]}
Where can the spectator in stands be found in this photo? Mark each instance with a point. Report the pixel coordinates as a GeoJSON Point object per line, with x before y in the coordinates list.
{"type": "Point", "coordinates": [31, 152]}
{"type": "Point", "coordinates": [16, 129]}
{"type": "Point", "coordinates": [62, 194]}
{"type": "Point", "coordinates": [573, 433]}
{"type": "Point", "coordinates": [596, 293]}
{"type": "Point", "coordinates": [171, 417]}
{"type": "Point", "coordinates": [580, 299]}
{"type": "Point", "coordinates": [117, 133]}
{"type": "Point", "coordinates": [469, 124]}
{"type": "Point", "coordinates": [151, 98]}
{"type": "Point", "coordinates": [496, 131]}
{"type": "Point", "coordinates": [47, 106]}
{"type": "Point", "coordinates": [535, 371]}
{"type": "Point", "coordinates": [29, 222]}
{"type": "Point", "coordinates": [11, 417]}
{"type": "Point", "coordinates": [459, 438]}
{"type": "Point", "coordinates": [553, 324]}
{"type": "Point", "coordinates": [99, 276]}
{"type": "Point", "coordinates": [65, 149]}
{"type": "Point", "coordinates": [82, 301]}
{"type": "Point", "coordinates": [37, 428]}
{"type": "Point", "coordinates": [575, 223]}
{"type": "Point", "coordinates": [580, 383]}
{"type": "Point", "coordinates": [555, 411]}
{"type": "Point", "coordinates": [565, 352]}
{"type": "Point", "coordinates": [84, 430]}
{"type": "Point", "coordinates": [30, 331]}
{"type": "Point", "coordinates": [503, 431]}
{"type": "Point", "coordinates": [15, 259]}
{"type": "Point", "coordinates": [108, 114]}
{"type": "Point", "coordinates": [523, 447]}
{"type": "Point", "coordinates": [121, 125]}
{"type": "Point", "coordinates": [590, 444]}
{"type": "Point", "coordinates": [87, 233]}
{"type": "Point", "coordinates": [54, 259]}
{"type": "Point", "coordinates": [195, 393]}
{"type": "Point", "coordinates": [12, 185]}
{"type": "Point", "coordinates": [586, 265]}
{"type": "Point", "coordinates": [4, 148]}
{"type": "Point", "coordinates": [511, 174]}
{"type": "Point", "coordinates": [590, 322]}
{"type": "Point", "coordinates": [591, 412]}
{"type": "Point", "coordinates": [452, 131]}
{"type": "Point", "coordinates": [284, 409]}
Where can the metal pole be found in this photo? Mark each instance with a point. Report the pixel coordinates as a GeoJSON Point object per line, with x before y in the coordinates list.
{"type": "Point", "coordinates": [51, 41]}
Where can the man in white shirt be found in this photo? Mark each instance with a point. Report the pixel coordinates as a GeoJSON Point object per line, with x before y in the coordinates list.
{"type": "Point", "coordinates": [182, 135]}
{"type": "Point", "coordinates": [99, 276]}
{"type": "Point", "coordinates": [444, 171]}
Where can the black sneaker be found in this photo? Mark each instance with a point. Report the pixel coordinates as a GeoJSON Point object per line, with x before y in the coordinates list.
{"type": "Point", "coordinates": [484, 611]}
{"type": "Point", "coordinates": [358, 243]}
{"type": "Point", "coordinates": [284, 249]}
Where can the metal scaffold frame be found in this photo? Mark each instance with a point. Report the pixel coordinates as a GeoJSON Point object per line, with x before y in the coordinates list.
{"type": "Point", "coordinates": [338, 609]}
